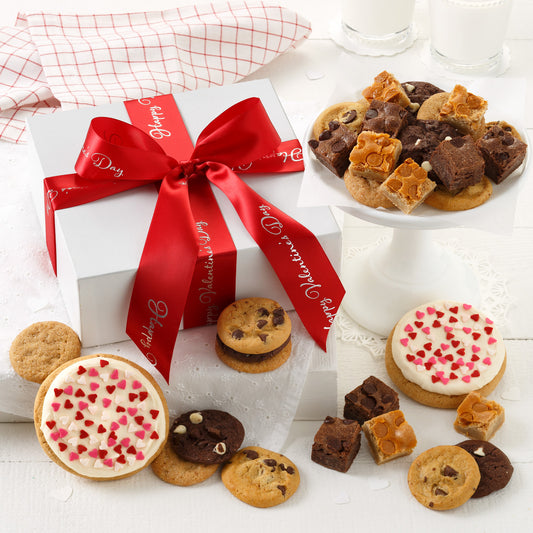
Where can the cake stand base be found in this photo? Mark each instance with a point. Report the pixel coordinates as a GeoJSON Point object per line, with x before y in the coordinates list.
{"type": "Point", "coordinates": [383, 283]}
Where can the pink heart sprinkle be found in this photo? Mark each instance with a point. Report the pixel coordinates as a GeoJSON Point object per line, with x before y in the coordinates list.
{"type": "Point", "coordinates": [123, 420]}
{"type": "Point", "coordinates": [63, 432]}
{"type": "Point", "coordinates": [470, 365]}
{"type": "Point", "coordinates": [132, 410]}
{"type": "Point", "coordinates": [139, 456]}
{"type": "Point", "coordinates": [487, 361]}
{"type": "Point", "coordinates": [426, 330]}
{"type": "Point", "coordinates": [467, 306]}
{"type": "Point", "coordinates": [54, 435]}
{"type": "Point", "coordinates": [73, 456]}
{"type": "Point", "coordinates": [114, 426]}
{"type": "Point", "coordinates": [431, 310]}
{"type": "Point", "coordinates": [125, 442]}
{"type": "Point", "coordinates": [466, 379]}
{"type": "Point", "coordinates": [416, 362]}
{"type": "Point", "coordinates": [108, 462]}
{"type": "Point", "coordinates": [68, 390]}
{"type": "Point", "coordinates": [491, 340]}
{"type": "Point", "coordinates": [448, 329]}
{"type": "Point", "coordinates": [121, 384]}
{"type": "Point", "coordinates": [94, 386]}
{"type": "Point", "coordinates": [460, 361]}
{"type": "Point", "coordinates": [136, 384]}
{"type": "Point", "coordinates": [489, 321]}
{"type": "Point", "coordinates": [111, 442]}
{"type": "Point", "coordinates": [420, 314]}
{"type": "Point", "coordinates": [149, 426]}
{"type": "Point", "coordinates": [404, 341]}
{"type": "Point", "coordinates": [94, 453]}
{"type": "Point", "coordinates": [140, 434]}
{"type": "Point", "coordinates": [432, 360]}
{"type": "Point", "coordinates": [114, 374]}
{"type": "Point", "coordinates": [467, 330]}
{"type": "Point", "coordinates": [444, 346]}
{"type": "Point", "coordinates": [408, 328]}
{"type": "Point", "coordinates": [56, 406]}
{"type": "Point", "coordinates": [442, 360]}
{"type": "Point", "coordinates": [439, 374]}
{"type": "Point", "coordinates": [83, 405]}
{"type": "Point", "coordinates": [93, 372]}
{"type": "Point", "coordinates": [475, 348]}
{"type": "Point", "coordinates": [444, 380]}
{"type": "Point", "coordinates": [106, 402]}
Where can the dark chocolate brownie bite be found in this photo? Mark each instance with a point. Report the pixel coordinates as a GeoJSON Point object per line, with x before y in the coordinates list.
{"type": "Point", "coordinates": [458, 163]}
{"type": "Point", "coordinates": [503, 153]}
{"type": "Point", "coordinates": [333, 147]}
{"type": "Point", "coordinates": [419, 91]}
{"type": "Point", "coordinates": [385, 117]}
{"type": "Point", "coordinates": [336, 443]}
{"type": "Point", "coordinates": [370, 399]}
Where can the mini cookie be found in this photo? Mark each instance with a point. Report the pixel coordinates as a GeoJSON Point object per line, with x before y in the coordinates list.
{"type": "Point", "coordinates": [439, 352]}
{"type": "Point", "coordinates": [170, 468]}
{"type": "Point", "coordinates": [41, 348]}
{"type": "Point", "coordinates": [253, 335]}
{"type": "Point", "coordinates": [430, 109]}
{"type": "Point", "coordinates": [494, 466]}
{"type": "Point", "coordinates": [443, 477]}
{"type": "Point", "coordinates": [365, 190]}
{"type": "Point", "coordinates": [505, 126]}
{"type": "Point", "coordinates": [468, 198]}
{"type": "Point", "coordinates": [351, 114]}
{"type": "Point", "coordinates": [208, 437]}
{"type": "Point", "coordinates": [101, 417]}
{"type": "Point", "coordinates": [260, 477]}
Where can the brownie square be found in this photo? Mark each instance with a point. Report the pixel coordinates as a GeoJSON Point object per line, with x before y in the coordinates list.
{"type": "Point", "coordinates": [458, 163]}
{"type": "Point", "coordinates": [370, 399]}
{"type": "Point", "coordinates": [385, 117]}
{"type": "Point", "coordinates": [333, 147]}
{"type": "Point", "coordinates": [336, 443]}
{"type": "Point", "coordinates": [503, 153]}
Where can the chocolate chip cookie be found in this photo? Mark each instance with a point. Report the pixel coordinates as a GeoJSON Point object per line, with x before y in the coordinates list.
{"type": "Point", "coordinates": [253, 335]}
{"type": "Point", "coordinates": [351, 114]}
{"type": "Point", "coordinates": [494, 466]}
{"type": "Point", "coordinates": [260, 477]}
{"type": "Point", "coordinates": [443, 477]}
{"type": "Point", "coordinates": [207, 437]}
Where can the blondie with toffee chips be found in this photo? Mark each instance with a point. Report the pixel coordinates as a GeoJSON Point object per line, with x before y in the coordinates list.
{"type": "Point", "coordinates": [389, 436]}
{"type": "Point", "coordinates": [375, 155]}
{"type": "Point", "coordinates": [387, 89]}
{"type": "Point", "coordinates": [479, 418]}
{"type": "Point", "coordinates": [408, 186]}
{"type": "Point", "coordinates": [465, 111]}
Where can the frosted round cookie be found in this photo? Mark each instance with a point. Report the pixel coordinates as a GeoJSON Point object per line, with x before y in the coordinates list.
{"type": "Point", "coordinates": [440, 351]}
{"type": "Point", "coordinates": [101, 417]}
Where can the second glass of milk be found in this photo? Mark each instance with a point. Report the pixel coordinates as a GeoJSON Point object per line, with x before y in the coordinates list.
{"type": "Point", "coordinates": [468, 34]}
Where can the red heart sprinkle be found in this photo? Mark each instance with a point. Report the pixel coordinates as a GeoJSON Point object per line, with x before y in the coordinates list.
{"type": "Point", "coordinates": [488, 330]}
{"type": "Point", "coordinates": [58, 392]}
{"type": "Point", "coordinates": [62, 446]}
{"type": "Point", "coordinates": [449, 357]}
{"type": "Point", "coordinates": [436, 324]}
{"type": "Point", "coordinates": [110, 388]}
{"type": "Point", "coordinates": [131, 450]}
{"type": "Point", "coordinates": [438, 352]}
{"type": "Point", "coordinates": [121, 460]}
{"type": "Point", "coordinates": [102, 453]}
{"type": "Point", "coordinates": [101, 429]}
{"type": "Point", "coordinates": [475, 374]}
{"type": "Point", "coordinates": [139, 420]}
{"type": "Point", "coordinates": [51, 423]}
{"type": "Point", "coordinates": [132, 396]}
{"type": "Point", "coordinates": [113, 435]}
{"type": "Point", "coordinates": [454, 309]}
{"type": "Point", "coordinates": [154, 413]}
{"type": "Point", "coordinates": [143, 395]}
{"type": "Point", "coordinates": [154, 435]}
{"type": "Point", "coordinates": [449, 336]}
{"type": "Point", "coordinates": [454, 366]}
{"type": "Point", "coordinates": [461, 351]}
{"type": "Point", "coordinates": [428, 366]}
{"type": "Point", "coordinates": [121, 409]}
{"type": "Point", "coordinates": [118, 449]}
{"type": "Point", "coordinates": [92, 397]}
{"type": "Point", "coordinates": [412, 335]}
{"type": "Point", "coordinates": [418, 324]}
{"type": "Point", "coordinates": [453, 319]}
{"type": "Point", "coordinates": [427, 346]}
{"type": "Point", "coordinates": [455, 343]}
{"type": "Point", "coordinates": [476, 336]}
{"type": "Point", "coordinates": [410, 357]}
{"type": "Point", "coordinates": [79, 415]}
{"type": "Point", "coordinates": [88, 423]}
{"type": "Point", "coordinates": [434, 379]}
{"type": "Point", "coordinates": [81, 370]}
{"type": "Point", "coordinates": [475, 317]}
{"type": "Point", "coordinates": [440, 314]}
{"type": "Point", "coordinates": [83, 434]}
{"type": "Point", "coordinates": [69, 404]}
{"type": "Point", "coordinates": [421, 353]}
{"type": "Point", "coordinates": [474, 357]}
{"type": "Point", "coordinates": [79, 393]}
{"type": "Point", "coordinates": [453, 376]}
{"type": "Point", "coordinates": [103, 363]}
{"type": "Point", "coordinates": [81, 449]}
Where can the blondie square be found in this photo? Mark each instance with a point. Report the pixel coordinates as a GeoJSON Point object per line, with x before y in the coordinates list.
{"type": "Point", "coordinates": [387, 89]}
{"type": "Point", "coordinates": [479, 418]}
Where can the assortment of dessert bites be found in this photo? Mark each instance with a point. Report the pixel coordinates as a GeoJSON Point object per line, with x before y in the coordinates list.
{"type": "Point", "coordinates": [449, 149]}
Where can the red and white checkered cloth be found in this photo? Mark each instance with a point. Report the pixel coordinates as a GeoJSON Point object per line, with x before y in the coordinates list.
{"type": "Point", "coordinates": [50, 61]}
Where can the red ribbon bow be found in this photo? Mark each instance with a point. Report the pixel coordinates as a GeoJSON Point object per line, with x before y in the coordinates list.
{"type": "Point", "coordinates": [118, 156]}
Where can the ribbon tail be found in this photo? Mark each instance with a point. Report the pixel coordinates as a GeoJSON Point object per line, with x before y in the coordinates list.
{"type": "Point", "coordinates": [294, 252]}
{"type": "Point", "coordinates": [164, 276]}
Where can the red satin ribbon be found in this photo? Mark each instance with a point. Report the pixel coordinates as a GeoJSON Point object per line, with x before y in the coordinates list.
{"type": "Point", "coordinates": [122, 155]}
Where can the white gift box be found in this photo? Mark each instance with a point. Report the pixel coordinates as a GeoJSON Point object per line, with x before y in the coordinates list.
{"type": "Point", "coordinates": [99, 244]}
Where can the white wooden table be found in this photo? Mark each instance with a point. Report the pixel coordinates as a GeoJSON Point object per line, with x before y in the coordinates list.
{"type": "Point", "coordinates": [36, 495]}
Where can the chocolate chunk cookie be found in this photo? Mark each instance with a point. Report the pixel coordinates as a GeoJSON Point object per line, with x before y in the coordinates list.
{"type": "Point", "coordinates": [207, 437]}
{"type": "Point", "coordinates": [253, 335]}
{"type": "Point", "coordinates": [260, 477]}
{"type": "Point", "coordinates": [370, 399]}
{"type": "Point", "coordinates": [443, 477]}
{"type": "Point", "coordinates": [494, 466]}
{"type": "Point", "coordinates": [350, 114]}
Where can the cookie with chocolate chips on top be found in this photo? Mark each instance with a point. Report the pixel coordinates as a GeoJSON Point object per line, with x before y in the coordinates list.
{"type": "Point", "coordinates": [253, 335]}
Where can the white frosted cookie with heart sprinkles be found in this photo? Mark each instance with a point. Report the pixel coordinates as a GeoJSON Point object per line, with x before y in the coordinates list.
{"type": "Point", "coordinates": [101, 417]}
{"type": "Point", "coordinates": [440, 351]}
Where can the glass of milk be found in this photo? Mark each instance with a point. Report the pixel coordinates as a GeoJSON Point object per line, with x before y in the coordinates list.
{"type": "Point", "coordinates": [467, 35]}
{"type": "Point", "coordinates": [378, 27]}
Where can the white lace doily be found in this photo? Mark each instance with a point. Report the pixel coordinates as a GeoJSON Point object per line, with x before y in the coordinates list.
{"type": "Point", "coordinates": [495, 299]}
